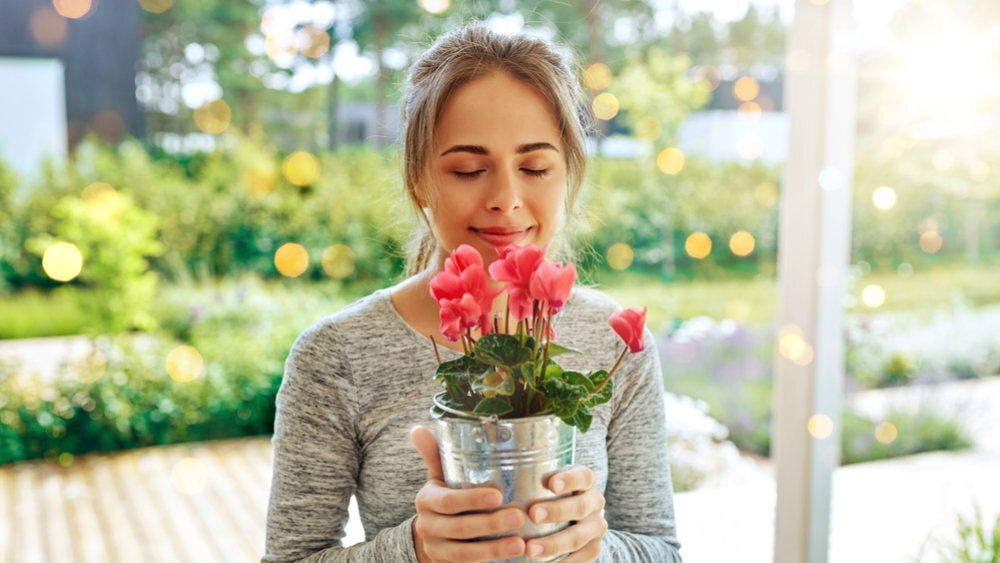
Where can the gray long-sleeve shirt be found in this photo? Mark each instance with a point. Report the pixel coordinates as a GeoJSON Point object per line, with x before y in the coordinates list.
{"type": "Point", "coordinates": [357, 381]}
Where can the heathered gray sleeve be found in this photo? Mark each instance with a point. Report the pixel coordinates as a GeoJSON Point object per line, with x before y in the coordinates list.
{"type": "Point", "coordinates": [316, 461]}
{"type": "Point", "coordinates": [639, 494]}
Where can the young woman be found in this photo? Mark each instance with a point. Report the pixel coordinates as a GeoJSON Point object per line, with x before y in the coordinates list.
{"type": "Point", "coordinates": [494, 155]}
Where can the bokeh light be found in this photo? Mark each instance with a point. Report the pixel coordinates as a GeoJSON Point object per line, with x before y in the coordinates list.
{"type": "Point", "coordinates": [156, 6]}
{"type": "Point", "coordinates": [873, 296]}
{"type": "Point", "coordinates": [188, 476]}
{"type": "Point", "coordinates": [885, 432]}
{"type": "Point", "coordinates": [606, 106]}
{"type": "Point", "coordinates": [102, 202]}
{"type": "Point", "coordinates": [300, 168]}
{"type": "Point", "coordinates": [742, 243]}
{"type": "Point", "coordinates": [884, 197]}
{"type": "Point", "coordinates": [260, 177]}
{"type": "Point", "coordinates": [698, 245]}
{"type": "Point", "coordinates": [184, 363]}
{"type": "Point", "coordinates": [339, 261]}
{"type": "Point", "coordinates": [620, 256]}
{"type": "Point", "coordinates": [648, 128]}
{"type": "Point", "coordinates": [792, 345]}
{"type": "Point", "coordinates": [72, 9]}
{"type": "Point", "coordinates": [746, 88]}
{"type": "Point", "coordinates": [670, 161]}
{"type": "Point", "coordinates": [435, 6]}
{"type": "Point", "coordinates": [750, 146]}
{"type": "Point", "coordinates": [820, 426]}
{"type": "Point", "coordinates": [47, 27]}
{"type": "Point", "coordinates": [931, 241]}
{"type": "Point", "coordinates": [62, 261]}
{"type": "Point", "coordinates": [214, 117]}
{"type": "Point", "coordinates": [597, 76]}
{"type": "Point", "coordinates": [766, 194]}
{"type": "Point", "coordinates": [313, 41]}
{"type": "Point", "coordinates": [291, 260]}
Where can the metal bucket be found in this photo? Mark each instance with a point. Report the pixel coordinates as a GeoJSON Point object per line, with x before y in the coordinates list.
{"type": "Point", "coordinates": [515, 456]}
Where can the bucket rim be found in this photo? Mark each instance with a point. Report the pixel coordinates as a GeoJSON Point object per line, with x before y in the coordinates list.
{"type": "Point", "coordinates": [475, 417]}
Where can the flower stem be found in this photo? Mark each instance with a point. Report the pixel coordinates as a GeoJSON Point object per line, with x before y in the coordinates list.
{"type": "Point", "coordinates": [612, 372]}
{"type": "Point", "coordinates": [434, 343]}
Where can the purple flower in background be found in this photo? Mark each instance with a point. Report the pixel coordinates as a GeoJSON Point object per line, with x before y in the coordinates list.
{"type": "Point", "coordinates": [196, 312]}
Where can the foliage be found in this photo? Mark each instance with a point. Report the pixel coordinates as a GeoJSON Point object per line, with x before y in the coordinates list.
{"type": "Point", "coordinates": [122, 397]}
{"type": "Point", "coordinates": [731, 369]}
{"type": "Point", "coordinates": [116, 238]}
{"type": "Point", "coordinates": [978, 540]}
{"type": "Point", "coordinates": [34, 314]}
{"type": "Point", "coordinates": [918, 431]}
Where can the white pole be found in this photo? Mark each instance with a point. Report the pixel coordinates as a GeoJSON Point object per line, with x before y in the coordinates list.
{"type": "Point", "coordinates": [813, 255]}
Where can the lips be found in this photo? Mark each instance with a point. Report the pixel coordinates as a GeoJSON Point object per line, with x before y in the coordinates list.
{"type": "Point", "coordinates": [501, 236]}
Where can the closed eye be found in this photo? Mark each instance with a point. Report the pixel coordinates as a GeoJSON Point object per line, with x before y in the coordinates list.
{"type": "Point", "coordinates": [537, 173]}
{"type": "Point", "coordinates": [477, 173]}
{"type": "Point", "coordinates": [469, 175]}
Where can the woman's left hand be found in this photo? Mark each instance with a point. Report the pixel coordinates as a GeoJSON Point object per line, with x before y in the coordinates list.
{"type": "Point", "coordinates": [585, 508]}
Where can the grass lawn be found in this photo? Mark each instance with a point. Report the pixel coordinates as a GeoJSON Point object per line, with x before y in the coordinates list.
{"type": "Point", "coordinates": [751, 300]}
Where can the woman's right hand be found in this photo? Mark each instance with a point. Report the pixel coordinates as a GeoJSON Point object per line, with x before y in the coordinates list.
{"type": "Point", "coordinates": [441, 526]}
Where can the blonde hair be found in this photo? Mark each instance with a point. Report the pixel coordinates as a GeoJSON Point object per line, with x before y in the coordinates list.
{"type": "Point", "coordinates": [459, 57]}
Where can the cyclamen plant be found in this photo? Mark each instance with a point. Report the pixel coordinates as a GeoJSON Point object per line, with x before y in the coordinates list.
{"type": "Point", "coordinates": [510, 375]}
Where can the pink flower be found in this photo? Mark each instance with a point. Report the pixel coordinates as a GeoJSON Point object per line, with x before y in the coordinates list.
{"type": "Point", "coordinates": [458, 315]}
{"type": "Point", "coordinates": [463, 294]}
{"type": "Point", "coordinates": [629, 324]}
{"type": "Point", "coordinates": [552, 282]}
{"type": "Point", "coordinates": [462, 258]}
{"type": "Point", "coordinates": [516, 264]}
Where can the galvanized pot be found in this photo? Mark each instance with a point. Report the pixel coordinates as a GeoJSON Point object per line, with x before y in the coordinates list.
{"type": "Point", "coordinates": [515, 456]}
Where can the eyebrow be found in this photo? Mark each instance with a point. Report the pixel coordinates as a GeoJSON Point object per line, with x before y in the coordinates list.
{"type": "Point", "coordinates": [522, 149]}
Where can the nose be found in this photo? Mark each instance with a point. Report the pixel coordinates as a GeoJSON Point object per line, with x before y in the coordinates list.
{"type": "Point", "coordinates": [505, 193]}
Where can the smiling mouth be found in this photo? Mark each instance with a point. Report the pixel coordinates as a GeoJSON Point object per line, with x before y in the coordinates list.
{"type": "Point", "coordinates": [501, 238]}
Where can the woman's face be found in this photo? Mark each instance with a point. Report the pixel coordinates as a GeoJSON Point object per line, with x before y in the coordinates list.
{"type": "Point", "coordinates": [498, 168]}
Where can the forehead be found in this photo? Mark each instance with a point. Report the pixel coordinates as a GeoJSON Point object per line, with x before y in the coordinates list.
{"type": "Point", "coordinates": [496, 111]}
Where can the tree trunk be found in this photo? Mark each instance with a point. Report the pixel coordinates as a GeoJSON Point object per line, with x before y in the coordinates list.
{"type": "Point", "coordinates": [332, 121]}
{"type": "Point", "coordinates": [380, 80]}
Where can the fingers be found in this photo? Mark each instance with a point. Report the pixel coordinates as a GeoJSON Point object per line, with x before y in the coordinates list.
{"type": "Point", "coordinates": [470, 526]}
{"type": "Point", "coordinates": [498, 549]}
{"type": "Point", "coordinates": [584, 538]}
{"type": "Point", "coordinates": [435, 497]}
{"type": "Point", "coordinates": [587, 553]}
{"type": "Point", "coordinates": [568, 509]}
{"type": "Point", "coordinates": [427, 446]}
{"type": "Point", "coordinates": [575, 478]}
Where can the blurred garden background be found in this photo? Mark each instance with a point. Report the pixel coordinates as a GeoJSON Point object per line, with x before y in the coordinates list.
{"type": "Point", "coordinates": [236, 176]}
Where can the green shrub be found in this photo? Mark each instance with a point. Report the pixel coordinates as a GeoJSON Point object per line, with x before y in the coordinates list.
{"type": "Point", "coordinates": [978, 541]}
{"type": "Point", "coordinates": [32, 313]}
{"type": "Point", "coordinates": [913, 432]}
{"type": "Point", "coordinates": [124, 398]}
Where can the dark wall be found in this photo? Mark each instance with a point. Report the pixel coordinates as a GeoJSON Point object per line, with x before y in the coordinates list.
{"type": "Point", "coordinates": [99, 52]}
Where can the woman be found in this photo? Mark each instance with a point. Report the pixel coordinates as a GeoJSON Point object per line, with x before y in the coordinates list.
{"type": "Point", "coordinates": [494, 155]}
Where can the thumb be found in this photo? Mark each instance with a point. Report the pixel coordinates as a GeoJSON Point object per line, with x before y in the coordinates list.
{"type": "Point", "coordinates": [427, 446]}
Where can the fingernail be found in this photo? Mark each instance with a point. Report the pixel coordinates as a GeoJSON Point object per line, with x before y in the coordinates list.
{"type": "Point", "coordinates": [557, 485]}
{"type": "Point", "coordinates": [540, 514]}
{"type": "Point", "coordinates": [490, 499]}
{"type": "Point", "coordinates": [514, 548]}
{"type": "Point", "coordinates": [535, 550]}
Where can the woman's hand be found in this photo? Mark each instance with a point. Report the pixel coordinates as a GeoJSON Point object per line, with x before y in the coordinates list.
{"type": "Point", "coordinates": [585, 508]}
{"type": "Point", "coordinates": [440, 528]}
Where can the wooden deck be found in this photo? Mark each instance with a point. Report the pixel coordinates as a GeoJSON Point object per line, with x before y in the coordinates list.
{"type": "Point", "coordinates": [200, 502]}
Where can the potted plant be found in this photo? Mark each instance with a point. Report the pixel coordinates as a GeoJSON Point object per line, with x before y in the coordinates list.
{"type": "Point", "coordinates": [508, 412]}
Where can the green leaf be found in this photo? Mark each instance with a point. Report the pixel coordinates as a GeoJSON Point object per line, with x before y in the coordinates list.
{"type": "Point", "coordinates": [557, 349]}
{"type": "Point", "coordinates": [501, 350]}
{"type": "Point", "coordinates": [564, 389]}
{"type": "Point", "coordinates": [596, 378]}
{"type": "Point", "coordinates": [493, 407]}
{"type": "Point", "coordinates": [582, 419]}
{"type": "Point", "coordinates": [461, 371]}
{"type": "Point", "coordinates": [498, 381]}
{"type": "Point", "coordinates": [553, 371]}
